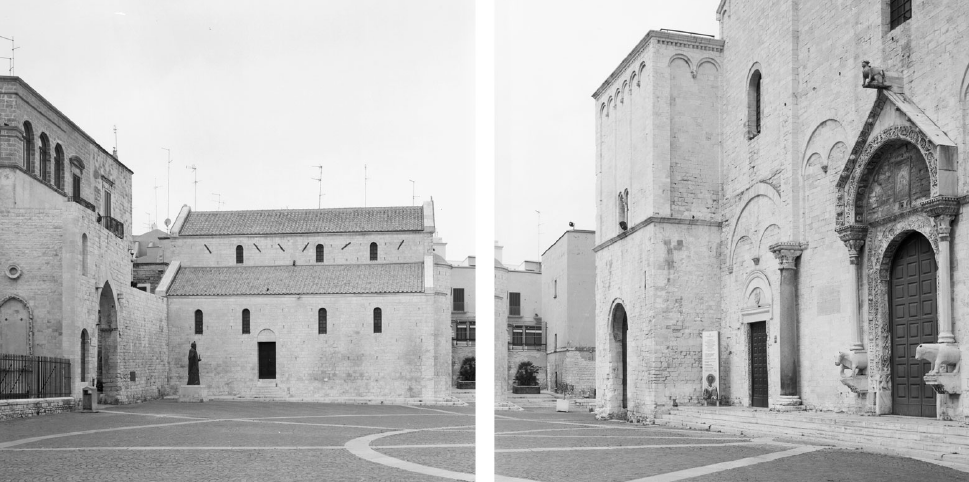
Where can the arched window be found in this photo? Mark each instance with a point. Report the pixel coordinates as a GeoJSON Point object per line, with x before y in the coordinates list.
{"type": "Point", "coordinates": [555, 289]}
{"type": "Point", "coordinates": [59, 167]}
{"type": "Point", "coordinates": [378, 321]}
{"type": "Point", "coordinates": [85, 343]}
{"type": "Point", "coordinates": [84, 254]}
{"type": "Point", "coordinates": [240, 255]}
{"type": "Point", "coordinates": [44, 157]}
{"type": "Point", "coordinates": [754, 105]}
{"type": "Point", "coordinates": [373, 251]}
{"type": "Point", "coordinates": [245, 322]}
{"type": "Point", "coordinates": [28, 147]}
{"type": "Point", "coordinates": [198, 322]}
{"type": "Point", "coordinates": [321, 319]}
{"type": "Point", "coordinates": [319, 253]}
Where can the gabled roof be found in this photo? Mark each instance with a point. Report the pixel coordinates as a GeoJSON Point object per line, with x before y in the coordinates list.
{"type": "Point", "coordinates": [303, 221]}
{"type": "Point", "coordinates": [298, 280]}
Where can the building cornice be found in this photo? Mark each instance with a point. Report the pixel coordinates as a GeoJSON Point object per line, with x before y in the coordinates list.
{"type": "Point", "coordinates": [654, 220]}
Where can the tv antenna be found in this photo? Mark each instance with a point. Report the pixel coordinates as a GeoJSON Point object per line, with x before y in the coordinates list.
{"type": "Point", "coordinates": [168, 200]}
{"type": "Point", "coordinates": [156, 199]}
{"type": "Point", "coordinates": [115, 140]}
{"type": "Point", "coordinates": [195, 172]}
{"type": "Point", "coordinates": [319, 199]}
{"type": "Point", "coordinates": [365, 185]}
{"type": "Point", "coordinates": [538, 228]}
{"type": "Point", "coordinates": [218, 202]}
{"type": "Point", "coordinates": [149, 220]}
{"type": "Point", "coordinates": [413, 196]}
{"type": "Point", "coordinates": [13, 48]}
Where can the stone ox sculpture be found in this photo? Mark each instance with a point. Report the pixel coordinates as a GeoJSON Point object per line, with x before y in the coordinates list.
{"type": "Point", "coordinates": [941, 355]}
{"type": "Point", "coordinates": [856, 362]}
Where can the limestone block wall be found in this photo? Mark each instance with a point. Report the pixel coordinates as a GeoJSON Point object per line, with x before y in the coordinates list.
{"type": "Point", "coordinates": [502, 382]}
{"type": "Point", "coordinates": [573, 366]}
{"type": "Point", "coordinates": [142, 347]}
{"type": "Point", "coordinates": [339, 248]}
{"type": "Point", "coordinates": [350, 360]}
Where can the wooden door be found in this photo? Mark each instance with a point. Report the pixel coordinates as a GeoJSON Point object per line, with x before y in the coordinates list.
{"type": "Point", "coordinates": [267, 360]}
{"type": "Point", "coordinates": [758, 364]}
{"type": "Point", "coordinates": [914, 321]}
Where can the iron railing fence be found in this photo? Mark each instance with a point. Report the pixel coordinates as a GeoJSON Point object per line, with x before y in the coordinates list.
{"type": "Point", "coordinates": [113, 225]}
{"type": "Point", "coordinates": [25, 376]}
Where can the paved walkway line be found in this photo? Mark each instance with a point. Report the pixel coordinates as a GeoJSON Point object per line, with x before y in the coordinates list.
{"type": "Point", "coordinates": [361, 448]}
{"type": "Point", "coordinates": [268, 447]}
{"type": "Point", "coordinates": [734, 464]}
{"type": "Point", "coordinates": [22, 441]}
{"type": "Point", "coordinates": [621, 436]}
{"type": "Point", "coordinates": [617, 447]}
{"type": "Point", "coordinates": [159, 415]}
{"type": "Point", "coordinates": [250, 420]}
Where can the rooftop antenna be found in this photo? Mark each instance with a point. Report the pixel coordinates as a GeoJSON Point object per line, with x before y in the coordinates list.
{"type": "Point", "coordinates": [538, 245]}
{"type": "Point", "coordinates": [195, 172]}
{"type": "Point", "coordinates": [319, 199]}
{"type": "Point", "coordinates": [219, 202]}
{"type": "Point", "coordinates": [413, 197]}
{"type": "Point", "coordinates": [116, 141]}
{"type": "Point", "coordinates": [168, 200]}
{"type": "Point", "coordinates": [149, 220]}
{"type": "Point", "coordinates": [156, 199]}
{"type": "Point", "coordinates": [12, 49]}
{"type": "Point", "coordinates": [365, 185]}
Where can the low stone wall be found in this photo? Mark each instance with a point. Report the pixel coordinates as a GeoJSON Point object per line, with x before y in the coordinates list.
{"type": "Point", "coordinates": [537, 357]}
{"type": "Point", "coordinates": [29, 407]}
{"type": "Point", "coordinates": [574, 366]}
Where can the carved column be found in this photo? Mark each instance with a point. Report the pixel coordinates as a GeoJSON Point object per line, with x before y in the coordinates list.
{"type": "Point", "coordinates": [942, 209]}
{"type": "Point", "coordinates": [786, 253]}
{"type": "Point", "coordinates": [854, 238]}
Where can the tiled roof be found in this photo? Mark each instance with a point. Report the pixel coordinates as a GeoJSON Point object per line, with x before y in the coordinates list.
{"type": "Point", "coordinates": [298, 280]}
{"type": "Point", "coordinates": [303, 221]}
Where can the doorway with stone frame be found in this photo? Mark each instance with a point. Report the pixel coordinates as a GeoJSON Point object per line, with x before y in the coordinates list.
{"type": "Point", "coordinates": [755, 317]}
{"type": "Point", "coordinates": [617, 392]}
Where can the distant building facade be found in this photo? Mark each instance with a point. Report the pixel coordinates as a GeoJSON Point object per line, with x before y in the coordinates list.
{"type": "Point", "coordinates": [345, 303]}
{"type": "Point", "coordinates": [568, 308]}
{"type": "Point", "coordinates": [65, 212]}
{"type": "Point", "coordinates": [773, 188]}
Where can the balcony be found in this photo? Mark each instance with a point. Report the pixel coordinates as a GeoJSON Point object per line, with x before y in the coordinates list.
{"type": "Point", "coordinates": [82, 202]}
{"type": "Point", "coordinates": [512, 346]}
{"type": "Point", "coordinates": [462, 342]}
{"type": "Point", "coordinates": [116, 227]}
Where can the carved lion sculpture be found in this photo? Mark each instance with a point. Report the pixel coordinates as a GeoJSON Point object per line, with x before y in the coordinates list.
{"type": "Point", "coordinates": [856, 362]}
{"type": "Point", "coordinates": [871, 75]}
{"type": "Point", "coordinates": [940, 355]}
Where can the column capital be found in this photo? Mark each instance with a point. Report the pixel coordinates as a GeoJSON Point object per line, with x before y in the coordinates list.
{"type": "Point", "coordinates": [941, 206]}
{"type": "Point", "coordinates": [786, 252]}
{"type": "Point", "coordinates": [853, 235]}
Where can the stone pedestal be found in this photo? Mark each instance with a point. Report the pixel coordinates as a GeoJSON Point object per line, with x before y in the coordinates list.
{"type": "Point", "coordinates": [192, 393]}
{"type": "Point", "coordinates": [856, 383]}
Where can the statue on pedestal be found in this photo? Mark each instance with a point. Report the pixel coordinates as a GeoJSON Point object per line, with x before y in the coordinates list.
{"type": "Point", "coordinates": [193, 366]}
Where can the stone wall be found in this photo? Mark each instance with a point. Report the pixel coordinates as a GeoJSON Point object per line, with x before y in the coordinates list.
{"type": "Point", "coordinates": [574, 366]}
{"type": "Point", "coordinates": [11, 409]}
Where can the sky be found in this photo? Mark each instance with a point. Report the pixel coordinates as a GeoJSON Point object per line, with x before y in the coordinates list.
{"type": "Point", "coordinates": [254, 94]}
{"type": "Point", "coordinates": [550, 56]}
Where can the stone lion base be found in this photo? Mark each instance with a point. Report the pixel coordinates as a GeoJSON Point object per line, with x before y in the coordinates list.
{"type": "Point", "coordinates": [191, 393]}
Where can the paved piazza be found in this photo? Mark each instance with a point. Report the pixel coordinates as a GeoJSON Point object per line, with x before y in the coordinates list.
{"type": "Point", "coordinates": [541, 445]}
{"type": "Point", "coordinates": [166, 440]}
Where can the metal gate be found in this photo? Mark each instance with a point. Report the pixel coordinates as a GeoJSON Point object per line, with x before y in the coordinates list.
{"type": "Point", "coordinates": [25, 376]}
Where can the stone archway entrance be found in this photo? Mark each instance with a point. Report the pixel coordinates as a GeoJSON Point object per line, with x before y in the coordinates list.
{"type": "Point", "coordinates": [108, 377]}
{"type": "Point", "coordinates": [620, 336]}
{"type": "Point", "coordinates": [913, 312]}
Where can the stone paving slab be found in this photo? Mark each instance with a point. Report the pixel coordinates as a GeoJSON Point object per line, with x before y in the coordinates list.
{"type": "Point", "coordinates": [20, 428]}
{"type": "Point", "coordinates": [457, 459]}
{"type": "Point", "coordinates": [426, 437]}
{"type": "Point", "coordinates": [617, 465]}
{"type": "Point", "coordinates": [837, 465]}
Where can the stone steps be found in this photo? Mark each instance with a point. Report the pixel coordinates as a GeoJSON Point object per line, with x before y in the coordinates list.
{"type": "Point", "coordinates": [927, 439]}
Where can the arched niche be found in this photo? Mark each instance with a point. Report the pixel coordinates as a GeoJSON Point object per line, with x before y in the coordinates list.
{"type": "Point", "coordinates": [16, 326]}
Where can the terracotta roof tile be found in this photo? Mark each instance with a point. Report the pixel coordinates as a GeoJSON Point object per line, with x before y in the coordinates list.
{"type": "Point", "coordinates": [304, 221]}
{"type": "Point", "coordinates": [293, 280]}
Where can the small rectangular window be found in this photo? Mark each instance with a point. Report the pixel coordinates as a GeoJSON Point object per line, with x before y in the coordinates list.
{"type": "Point", "coordinates": [458, 295]}
{"type": "Point", "coordinates": [901, 11]}
{"type": "Point", "coordinates": [107, 203]}
{"type": "Point", "coordinates": [514, 304]}
{"type": "Point", "coordinates": [76, 186]}
{"type": "Point", "coordinates": [198, 322]}
{"type": "Point", "coordinates": [461, 332]}
{"type": "Point", "coordinates": [471, 332]}
{"type": "Point", "coordinates": [533, 335]}
{"type": "Point", "coordinates": [245, 322]}
{"type": "Point", "coordinates": [517, 336]}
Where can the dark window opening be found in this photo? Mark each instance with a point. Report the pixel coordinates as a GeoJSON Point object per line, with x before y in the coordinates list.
{"type": "Point", "coordinates": [514, 304]}
{"type": "Point", "coordinates": [901, 11]}
{"type": "Point", "coordinates": [198, 322]}
{"type": "Point", "coordinates": [44, 157]}
{"type": "Point", "coordinates": [458, 297]}
{"type": "Point", "coordinates": [754, 105]}
{"type": "Point", "coordinates": [28, 147]}
{"type": "Point", "coordinates": [245, 322]}
{"type": "Point", "coordinates": [240, 254]}
{"type": "Point", "coordinates": [76, 186]}
{"type": "Point", "coordinates": [464, 331]}
{"type": "Point", "coordinates": [59, 167]}
{"type": "Point", "coordinates": [321, 318]}
{"type": "Point", "coordinates": [319, 253]}
{"type": "Point", "coordinates": [373, 251]}
{"type": "Point", "coordinates": [525, 335]}
{"type": "Point", "coordinates": [378, 321]}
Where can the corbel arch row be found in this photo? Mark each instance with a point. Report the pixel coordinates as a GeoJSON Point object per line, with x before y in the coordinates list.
{"type": "Point", "coordinates": [755, 191]}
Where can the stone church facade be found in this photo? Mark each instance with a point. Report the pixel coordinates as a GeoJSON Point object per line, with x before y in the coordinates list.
{"type": "Point", "coordinates": [753, 186]}
{"type": "Point", "coordinates": [324, 304]}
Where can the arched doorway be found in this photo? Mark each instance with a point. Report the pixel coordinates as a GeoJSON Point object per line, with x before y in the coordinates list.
{"type": "Point", "coordinates": [85, 344]}
{"type": "Point", "coordinates": [620, 332]}
{"type": "Point", "coordinates": [108, 376]}
{"type": "Point", "coordinates": [15, 327]}
{"type": "Point", "coordinates": [914, 320]}
{"type": "Point", "coordinates": [266, 343]}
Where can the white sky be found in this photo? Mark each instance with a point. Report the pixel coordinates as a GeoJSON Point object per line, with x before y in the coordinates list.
{"type": "Point", "coordinates": [255, 93]}
{"type": "Point", "coordinates": [550, 57]}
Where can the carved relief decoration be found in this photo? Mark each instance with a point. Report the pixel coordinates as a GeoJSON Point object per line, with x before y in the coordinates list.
{"type": "Point", "coordinates": [883, 240]}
